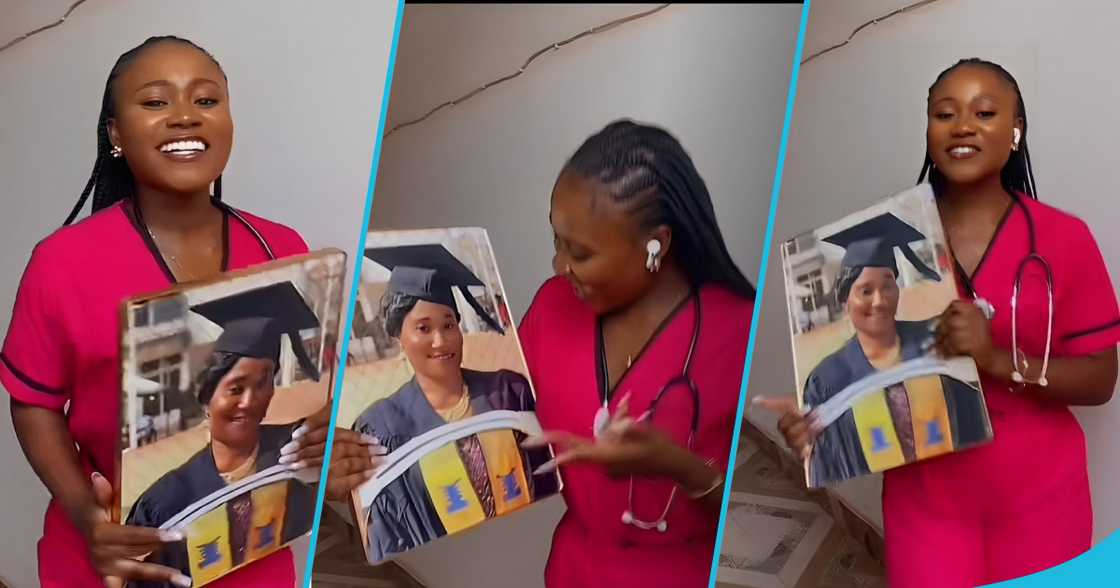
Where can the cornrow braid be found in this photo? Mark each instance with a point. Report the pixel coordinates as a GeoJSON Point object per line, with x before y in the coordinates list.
{"type": "Point", "coordinates": [1017, 175]}
{"type": "Point", "coordinates": [111, 180]}
{"type": "Point", "coordinates": [649, 174]}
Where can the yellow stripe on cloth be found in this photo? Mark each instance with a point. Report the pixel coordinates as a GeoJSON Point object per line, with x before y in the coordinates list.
{"type": "Point", "coordinates": [877, 435]}
{"type": "Point", "coordinates": [208, 546]}
{"type": "Point", "coordinates": [930, 415]}
{"type": "Point", "coordinates": [506, 471]}
{"type": "Point", "coordinates": [449, 487]}
{"type": "Point", "coordinates": [269, 506]}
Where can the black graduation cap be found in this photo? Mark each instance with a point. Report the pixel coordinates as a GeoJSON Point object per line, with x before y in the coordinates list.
{"type": "Point", "coordinates": [253, 321]}
{"type": "Point", "coordinates": [871, 243]}
{"type": "Point", "coordinates": [429, 272]}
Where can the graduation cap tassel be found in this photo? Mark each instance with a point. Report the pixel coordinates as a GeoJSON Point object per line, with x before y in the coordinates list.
{"type": "Point", "coordinates": [485, 316]}
{"type": "Point", "coordinates": [922, 268]}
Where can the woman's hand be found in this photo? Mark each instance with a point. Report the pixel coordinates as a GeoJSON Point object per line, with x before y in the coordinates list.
{"type": "Point", "coordinates": [309, 441]}
{"type": "Point", "coordinates": [116, 550]}
{"type": "Point", "coordinates": [963, 330]}
{"type": "Point", "coordinates": [798, 428]}
{"type": "Point", "coordinates": [626, 448]}
{"type": "Point", "coordinates": [354, 459]}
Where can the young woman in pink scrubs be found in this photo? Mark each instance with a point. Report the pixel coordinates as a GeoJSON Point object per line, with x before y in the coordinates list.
{"type": "Point", "coordinates": [163, 137]}
{"type": "Point", "coordinates": [645, 282]}
{"type": "Point", "coordinates": [1020, 504]}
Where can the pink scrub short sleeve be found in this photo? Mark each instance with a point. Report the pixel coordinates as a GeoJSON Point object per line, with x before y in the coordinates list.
{"type": "Point", "coordinates": [36, 363]}
{"type": "Point", "coordinates": [1086, 317]}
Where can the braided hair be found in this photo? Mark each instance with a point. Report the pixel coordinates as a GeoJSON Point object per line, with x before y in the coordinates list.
{"type": "Point", "coordinates": [111, 180]}
{"type": "Point", "coordinates": [648, 172]}
{"type": "Point", "coordinates": [1017, 174]}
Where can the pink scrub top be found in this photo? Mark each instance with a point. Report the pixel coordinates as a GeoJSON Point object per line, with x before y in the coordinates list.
{"type": "Point", "coordinates": [61, 353]}
{"type": "Point", "coordinates": [591, 546]}
{"type": "Point", "coordinates": [1015, 517]}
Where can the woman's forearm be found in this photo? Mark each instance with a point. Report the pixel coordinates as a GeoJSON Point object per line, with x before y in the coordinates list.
{"type": "Point", "coordinates": [49, 447]}
{"type": "Point", "coordinates": [1080, 381]}
{"type": "Point", "coordinates": [694, 476]}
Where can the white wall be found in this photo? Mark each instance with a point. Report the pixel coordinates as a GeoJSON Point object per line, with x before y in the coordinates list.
{"type": "Point", "coordinates": [858, 135]}
{"type": "Point", "coordinates": [716, 76]}
{"type": "Point", "coordinates": [306, 89]}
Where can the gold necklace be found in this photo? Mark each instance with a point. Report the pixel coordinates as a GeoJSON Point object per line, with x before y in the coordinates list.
{"type": "Point", "coordinates": [187, 276]}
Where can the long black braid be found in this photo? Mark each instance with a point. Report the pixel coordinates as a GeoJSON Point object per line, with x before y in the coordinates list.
{"type": "Point", "coordinates": [648, 172]}
{"type": "Point", "coordinates": [111, 181]}
{"type": "Point", "coordinates": [1017, 175]}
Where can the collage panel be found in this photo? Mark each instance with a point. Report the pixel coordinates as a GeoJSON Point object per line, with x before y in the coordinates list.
{"type": "Point", "coordinates": [423, 295]}
{"type": "Point", "coordinates": [623, 180]}
{"type": "Point", "coordinates": [969, 105]}
{"type": "Point", "coordinates": [152, 153]}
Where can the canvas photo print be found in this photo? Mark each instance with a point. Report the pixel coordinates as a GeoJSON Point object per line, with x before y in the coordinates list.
{"type": "Point", "coordinates": [436, 374]}
{"type": "Point", "coordinates": [216, 376]}
{"type": "Point", "coordinates": [864, 294]}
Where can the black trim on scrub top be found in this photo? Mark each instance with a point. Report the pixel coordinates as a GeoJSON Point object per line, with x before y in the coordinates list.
{"type": "Point", "coordinates": [27, 381]}
{"type": "Point", "coordinates": [964, 276]}
{"type": "Point", "coordinates": [602, 375]}
{"type": "Point", "coordinates": [132, 212]}
{"type": "Point", "coordinates": [1092, 331]}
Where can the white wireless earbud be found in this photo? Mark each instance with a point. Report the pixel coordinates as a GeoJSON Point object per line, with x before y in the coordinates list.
{"type": "Point", "coordinates": [1018, 135]}
{"type": "Point", "coordinates": [653, 249]}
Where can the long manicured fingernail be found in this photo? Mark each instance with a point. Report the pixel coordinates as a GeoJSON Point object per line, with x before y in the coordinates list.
{"type": "Point", "coordinates": [758, 399]}
{"type": "Point", "coordinates": [290, 458]}
{"type": "Point", "coordinates": [370, 439]}
{"type": "Point", "coordinates": [534, 442]}
{"type": "Point", "coordinates": [378, 450]}
{"type": "Point", "coordinates": [300, 431]}
{"type": "Point", "coordinates": [171, 536]}
{"type": "Point", "coordinates": [181, 580]}
{"type": "Point", "coordinates": [298, 465]}
{"type": "Point", "coordinates": [806, 452]}
{"type": "Point", "coordinates": [290, 447]}
{"type": "Point", "coordinates": [546, 467]}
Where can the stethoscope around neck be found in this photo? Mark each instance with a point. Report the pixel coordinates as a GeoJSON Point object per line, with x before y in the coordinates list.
{"type": "Point", "coordinates": [682, 379]}
{"type": "Point", "coordinates": [1019, 358]}
{"type": "Point", "coordinates": [228, 210]}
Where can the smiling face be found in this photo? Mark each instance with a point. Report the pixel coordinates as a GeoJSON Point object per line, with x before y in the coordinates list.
{"type": "Point", "coordinates": [972, 114]}
{"type": "Point", "coordinates": [601, 242]}
{"type": "Point", "coordinates": [240, 402]}
{"type": "Point", "coordinates": [171, 118]}
{"type": "Point", "coordinates": [873, 301]}
{"type": "Point", "coordinates": [431, 340]}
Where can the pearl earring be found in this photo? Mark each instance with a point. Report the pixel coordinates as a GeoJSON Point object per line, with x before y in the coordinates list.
{"type": "Point", "coordinates": [1015, 142]}
{"type": "Point", "coordinates": [653, 250]}
{"type": "Point", "coordinates": [116, 152]}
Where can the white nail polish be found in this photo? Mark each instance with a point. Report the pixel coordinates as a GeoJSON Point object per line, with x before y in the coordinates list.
{"type": "Point", "coordinates": [370, 439]}
{"type": "Point", "coordinates": [181, 580]}
{"type": "Point", "coordinates": [545, 467]}
{"type": "Point", "coordinates": [288, 458]}
{"type": "Point", "coordinates": [378, 451]}
{"type": "Point", "coordinates": [171, 536]}
{"type": "Point", "coordinates": [290, 447]}
{"type": "Point", "coordinates": [300, 431]}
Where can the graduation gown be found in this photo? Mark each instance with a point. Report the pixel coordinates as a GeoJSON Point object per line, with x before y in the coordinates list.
{"type": "Point", "coordinates": [199, 477]}
{"type": "Point", "coordinates": [838, 453]}
{"type": "Point", "coordinates": [403, 516]}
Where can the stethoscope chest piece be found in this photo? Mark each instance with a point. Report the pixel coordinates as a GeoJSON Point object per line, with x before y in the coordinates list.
{"type": "Point", "coordinates": [628, 519]}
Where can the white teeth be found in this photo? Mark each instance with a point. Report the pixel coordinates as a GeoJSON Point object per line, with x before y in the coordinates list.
{"type": "Point", "coordinates": [183, 147]}
{"type": "Point", "coordinates": [962, 150]}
